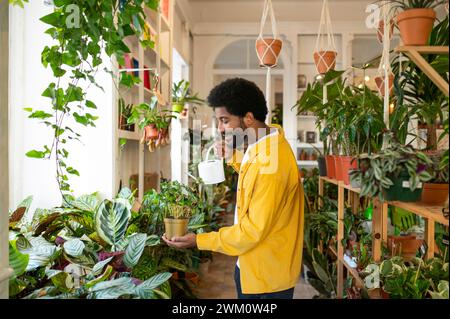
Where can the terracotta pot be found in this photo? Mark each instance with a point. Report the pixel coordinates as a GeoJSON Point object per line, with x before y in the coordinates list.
{"type": "Point", "coordinates": [191, 276]}
{"type": "Point", "coordinates": [331, 172]}
{"type": "Point", "coordinates": [264, 48]}
{"type": "Point", "coordinates": [380, 84]}
{"type": "Point", "coordinates": [380, 30]}
{"type": "Point", "coordinates": [434, 194]}
{"type": "Point", "coordinates": [415, 25]}
{"type": "Point", "coordinates": [151, 132]}
{"type": "Point", "coordinates": [348, 164]}
{"type": "Point", "coordinates": [325, 61]}
{"type": "Point", "coordinates": [408, 245]}
{"type": "Point", "coordinates": [338, 168]}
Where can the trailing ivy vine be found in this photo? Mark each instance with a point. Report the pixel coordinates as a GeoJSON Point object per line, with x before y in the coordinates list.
{"type": "Point", "coordinates": [83, 30]}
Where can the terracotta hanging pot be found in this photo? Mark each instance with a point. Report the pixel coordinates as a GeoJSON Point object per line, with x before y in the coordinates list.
{"type": "Point", "coordinates": [380, 30]}
{"type": "Point", "coordinates": [379, 80]}
{"type": "Point", "coordinates": [325, 61]}
{"type": "Point", "coordinates": [415, 25]}
{"type": "Point", "coordinates": [150, 132]}
{"type": "Point", "coordinates": [268, 50]}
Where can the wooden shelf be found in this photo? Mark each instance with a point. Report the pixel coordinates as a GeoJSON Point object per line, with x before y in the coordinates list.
{"type": "Point", "coordinates": [432, 213]}
{"type": "Point", "coordinates": [352, 271]}
{"type": "Point", "coordinates": [307, 163]}
{"type": "Point", "coordinates": [414, 54]}
{"type": "Point", "coordinates": [309, 145]}
{"type": "Point", "coordinates": [129, 135]}
{"type": "Point", "coordinates": [165, 25]}
{"type": "Point", "coordinates": [329, 180]}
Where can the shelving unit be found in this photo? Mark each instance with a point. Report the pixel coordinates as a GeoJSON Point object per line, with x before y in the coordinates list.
{"type": "Point", "coordinates": [134, 158]}
{"type": "Point", "coordinates": [431, 214]}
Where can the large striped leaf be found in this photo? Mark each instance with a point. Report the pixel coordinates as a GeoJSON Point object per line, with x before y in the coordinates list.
{"type": "Point", "coordinates": [145, 290]}
{"type": "Point", "coordinates": [152, 240]}
{"type": "Point", "coordinates": [74, 247]}
{"type": "Point", "coordinates": [134, 249]}
{"type": "Point", "coordinates": [17, 261]}
{"type": "Point", "coordinates": [86, 202]}
{"type": "Point", "coordinates": [40, 253]}
{"type": "Point", "coordinates": [112, 289]}
{"type": "Point", "coordinates": [98, 267]}
{"type": "Point", "coordinates": [111, 220]}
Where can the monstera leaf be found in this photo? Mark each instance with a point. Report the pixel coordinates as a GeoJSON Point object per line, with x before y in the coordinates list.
{"type": "Point", "coordinates": [111, 220]}
{"type": "Point", "coordinates": [134, 249]}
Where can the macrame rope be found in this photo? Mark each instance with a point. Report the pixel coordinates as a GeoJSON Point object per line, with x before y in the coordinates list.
{"type": "Point", "coordinates": [268, 9]}
{"type": "Point", "coordinates": [325, 31]}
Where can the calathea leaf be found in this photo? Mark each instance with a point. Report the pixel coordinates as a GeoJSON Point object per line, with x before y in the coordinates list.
{"type": "Point", "coordinates": [146, 288]}
{"type": "Point", "coordinates": [134, 249]}
{"type": "Point", "coordinates": [17, 261]}
{"type": "Point", "coordinates": [86, 202]}
{"type": "Point", "coordinates": [98, 267]}
{"type": "Point", "coordinates": [74, 247]}
{"type": "Point", "coordinates": [111, 220]}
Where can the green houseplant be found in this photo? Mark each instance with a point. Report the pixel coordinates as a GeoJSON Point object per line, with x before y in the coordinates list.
{"type": "Point", "coordinates": [154, 122]}
{"type": "Point", "coordinates": [395, 173]}
{"type": "Point", "coordinates": [415, 19]}
{"type": "Point", "coordinates": [176, 220]}
{"type": "Point", "coordinates": [125, 111]}
{"type": "Point", "coordinates": [181, 96]}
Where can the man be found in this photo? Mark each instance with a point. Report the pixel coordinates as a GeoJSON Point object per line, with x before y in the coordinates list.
{"type": "Point", "coordinates": [267, 235]}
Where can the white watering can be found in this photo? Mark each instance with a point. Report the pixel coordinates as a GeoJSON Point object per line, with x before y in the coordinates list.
{"type": "Point", "coordinates": [211, 171]}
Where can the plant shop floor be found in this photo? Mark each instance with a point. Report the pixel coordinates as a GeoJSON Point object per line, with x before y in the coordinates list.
{"type": "Point", "coordinates": [218, 281]}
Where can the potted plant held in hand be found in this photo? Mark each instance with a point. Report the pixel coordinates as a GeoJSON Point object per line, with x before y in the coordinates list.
{"type": "Point", "coordinates": [181, 96]}
{"type": "Point", "coordinates": [176, 220]}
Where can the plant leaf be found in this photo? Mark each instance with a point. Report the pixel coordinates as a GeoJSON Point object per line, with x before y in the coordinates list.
{"type": "Point", "coordinates": [134, 250]}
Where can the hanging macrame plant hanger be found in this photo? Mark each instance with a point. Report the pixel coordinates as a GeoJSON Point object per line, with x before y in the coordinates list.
{"type": "Point", "coordinates": [325, 50]}
{"type": "Point", "coordinates": [385, 77]}
{"type": "Point", "coordinates": [268, 50]}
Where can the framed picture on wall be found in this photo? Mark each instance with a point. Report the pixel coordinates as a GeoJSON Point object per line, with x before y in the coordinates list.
{"type": "Point", "coordinates": [310, 137]}
{"type": "Point", "coordinates": [301, 81]}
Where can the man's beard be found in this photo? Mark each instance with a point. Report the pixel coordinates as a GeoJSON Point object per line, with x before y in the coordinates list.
{"type": "Point", "coordinates": [238, 139]}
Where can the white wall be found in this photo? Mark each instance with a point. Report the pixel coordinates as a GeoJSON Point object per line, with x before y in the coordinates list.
{"type": "Point", "coordinates": [93, 159]}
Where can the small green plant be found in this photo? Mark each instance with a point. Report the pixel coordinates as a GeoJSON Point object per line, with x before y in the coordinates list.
{"type": "Point", "coordinates": [181, 94]}
{"type": "Point", "coordinates": [147, 113]}
{"type": "Point", "coordinates": [178, 212]}
{"type": "Point", "coordinates": [376, 171]}
{"type": "Point", "coordinates": [415, 4]}
{"type": "Point", "coordinates": [437, 169]}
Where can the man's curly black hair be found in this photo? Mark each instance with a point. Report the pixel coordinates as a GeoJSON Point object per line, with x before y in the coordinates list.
{"type": "Point", "coordinates": [239, 96]}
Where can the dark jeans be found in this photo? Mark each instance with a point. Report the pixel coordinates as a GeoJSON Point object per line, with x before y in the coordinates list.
{"type": "Point", "coordinates": [285, 294]}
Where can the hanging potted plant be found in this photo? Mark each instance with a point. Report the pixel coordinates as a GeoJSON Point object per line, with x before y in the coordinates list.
{"type": "Point", "coordinates": [380, 82]}
{"type": "Point", "coordinates": [416, 19]}
{"type": "Point", "coordinates": [380, 30]}
{"type": "Point", "coordinates": [394, 173]}
{"type": "Point", "coordinates": [325, 52]}
{"type": "Point", "coordinates": [181, 96]}
{"type": "Point", "coordinates": [176, 220]}
{"type": "Point", "coordinates": [268, 48]}
{"type": "Point", "coordinates": [435, 191]}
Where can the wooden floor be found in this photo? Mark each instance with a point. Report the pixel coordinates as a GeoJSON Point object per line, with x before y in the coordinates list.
{"type": "Point", "coordinates": [217, 281]}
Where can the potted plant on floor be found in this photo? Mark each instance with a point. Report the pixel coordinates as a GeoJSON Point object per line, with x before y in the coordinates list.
{"type": "Point", "coordinates": [395, 173]}
{"type": "Point", "coordinates": [435, 191]}
{"type": "Point", "coordinates": [415, 19]}
{"type": "Point", "coordinates": [181, 96]}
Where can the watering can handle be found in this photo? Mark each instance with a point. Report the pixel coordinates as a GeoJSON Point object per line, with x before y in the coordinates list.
{"type": "Point", "coordinates": [208, 153]}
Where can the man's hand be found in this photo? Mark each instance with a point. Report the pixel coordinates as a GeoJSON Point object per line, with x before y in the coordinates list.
{"type": "Point", "coordinates": [186, 241]}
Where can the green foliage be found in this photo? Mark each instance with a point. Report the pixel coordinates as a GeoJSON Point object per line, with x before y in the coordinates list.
{"type": "Point", "coordinates": [81, 36]}
{"type": "Point", "coordinates": [377, 171]}
{"type": "Point", "coordinates": [415, 4]}
{"type": "Point", "coordinates": [181, 94]}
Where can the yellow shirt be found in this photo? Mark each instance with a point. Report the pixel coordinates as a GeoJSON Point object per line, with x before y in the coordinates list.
{"type": "Point", "coordinates": [268, 237]}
